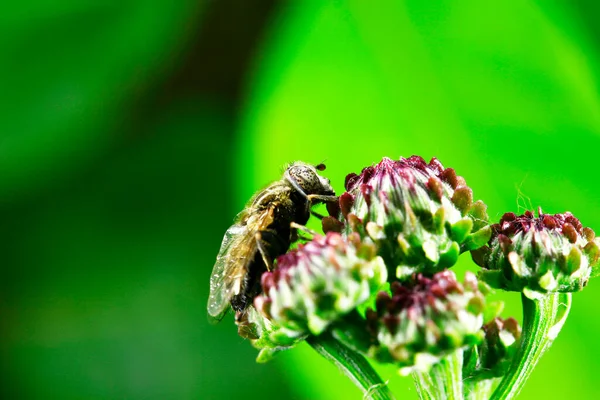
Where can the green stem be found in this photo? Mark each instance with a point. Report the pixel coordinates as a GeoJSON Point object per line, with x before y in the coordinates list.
{"type": "Point", "coordinates": [444, 380]}
{"type": "Point", "coordinates": [425, 387]}
{"type": "Point", "coordinates": [480, 390]}
{"type": "Point", "coordinates": [353, 365]}
{"type": "Point", "coordinates": [542, 322]}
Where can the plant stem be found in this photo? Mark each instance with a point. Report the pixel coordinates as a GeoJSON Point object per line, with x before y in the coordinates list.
{"type": "Point", "coordinates": [542, 322]}
{"type": "Point", "coordinates": [444, 380]}
{"type": "Point", "coordinates": [425, 387]}
{"type": "Point", "coordinates": [480, 390]}
{"type": "Point", "coordinates": [353, 365]}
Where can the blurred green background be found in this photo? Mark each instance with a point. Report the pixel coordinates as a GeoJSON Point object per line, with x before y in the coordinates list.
{"type": "Point", "coordinates": [132, 132]}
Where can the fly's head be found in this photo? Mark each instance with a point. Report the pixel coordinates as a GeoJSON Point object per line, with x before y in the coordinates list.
{"type": "Point", "coordinates": [306, 178]}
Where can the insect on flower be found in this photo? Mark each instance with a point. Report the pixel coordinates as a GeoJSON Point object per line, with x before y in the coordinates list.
{"type": "Point", "coordinates": [261, 233]}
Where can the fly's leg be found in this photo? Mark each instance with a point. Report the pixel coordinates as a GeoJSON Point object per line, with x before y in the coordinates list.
{"type": "Point", "coordinates": [323, 198]}
{"type": "Point", "coordinates": [271, 244]}
{"type": "Point", "coordinates": [263, 251]}
{"type": "Point", "coordinates": [316, 214]}
{"type": "Point", "coordinates": [296, 227]}
{"type": "Point", "coordinates": [303, 228]}
{"type": "Point", "coordinates": [314, 198]}
{"type": "Point", "coordinates": [245, 328]}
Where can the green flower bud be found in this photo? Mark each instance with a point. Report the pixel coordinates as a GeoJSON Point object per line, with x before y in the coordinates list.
{"type": "Point", "coordinates": [266, 336]}
{"type": "Point", "coordinates": [426, 319]}
{"type": "Point", "coordinates": [538, 255]}
{"type": "Point", "coordinates": [421, 216]}
{"type": "Point", "coordinates": [492, 357]}
{"type": "Point", "coordinates": [316, 285]}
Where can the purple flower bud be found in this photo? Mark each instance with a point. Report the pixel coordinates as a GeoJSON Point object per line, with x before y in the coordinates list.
{"type": "Point", "coordinates": [317, 284]}
{"type": "Point", "coordinates": [538, 255]}
{"type": "Point", "coordinates": [426, 319]}
{"type": "Point", "coordinates": [420, 215]}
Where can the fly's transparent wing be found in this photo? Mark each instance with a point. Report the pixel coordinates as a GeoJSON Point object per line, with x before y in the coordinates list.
{"type": "Point", "coordinates": [222, 284]}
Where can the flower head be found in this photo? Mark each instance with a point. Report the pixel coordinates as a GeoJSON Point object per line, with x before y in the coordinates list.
{"type": "Point", "coordinates": [492, 357]}
{"type": "Point", "coordinates": [538, 255]}
{"type": "Point", "coordinates": [425, 319]}
{"type": "Point", "coordinates": [317, 284]}
{"type": "Point", "coordinates": [421, 215]}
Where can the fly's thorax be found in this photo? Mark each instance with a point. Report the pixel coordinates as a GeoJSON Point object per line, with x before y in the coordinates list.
{"type": "Point", "coordinates": [286, 205]}
{"type": "Point", "coordinates": [308, 179]}
{"type": "Point", "coordinates": [293, 208]}
{"type": "Point", "coordinates": [274, 194]}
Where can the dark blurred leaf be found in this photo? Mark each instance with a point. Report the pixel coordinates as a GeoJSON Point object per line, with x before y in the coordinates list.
{"type": "Point", "coordinates": [68, 72]}
{"type": "Point", "coordinates": [105, 278]}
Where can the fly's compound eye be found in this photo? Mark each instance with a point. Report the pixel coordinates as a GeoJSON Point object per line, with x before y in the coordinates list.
{"type": "Point", "coordinates": [307, 179]}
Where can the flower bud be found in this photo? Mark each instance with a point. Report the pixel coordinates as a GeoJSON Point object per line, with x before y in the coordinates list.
{"type": "Point", "coordinates": [421, 216]}
{"type": "Point", "coordinates": [425, 319]}
{"type": "Point", "coordinates": [538, 255]}
{"type": "Point", "coordinates": [317, 284]}
{"type": "Point", "coordinates": [492, 357]}
{"type": "Point", "coordinates": [264, 335]}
